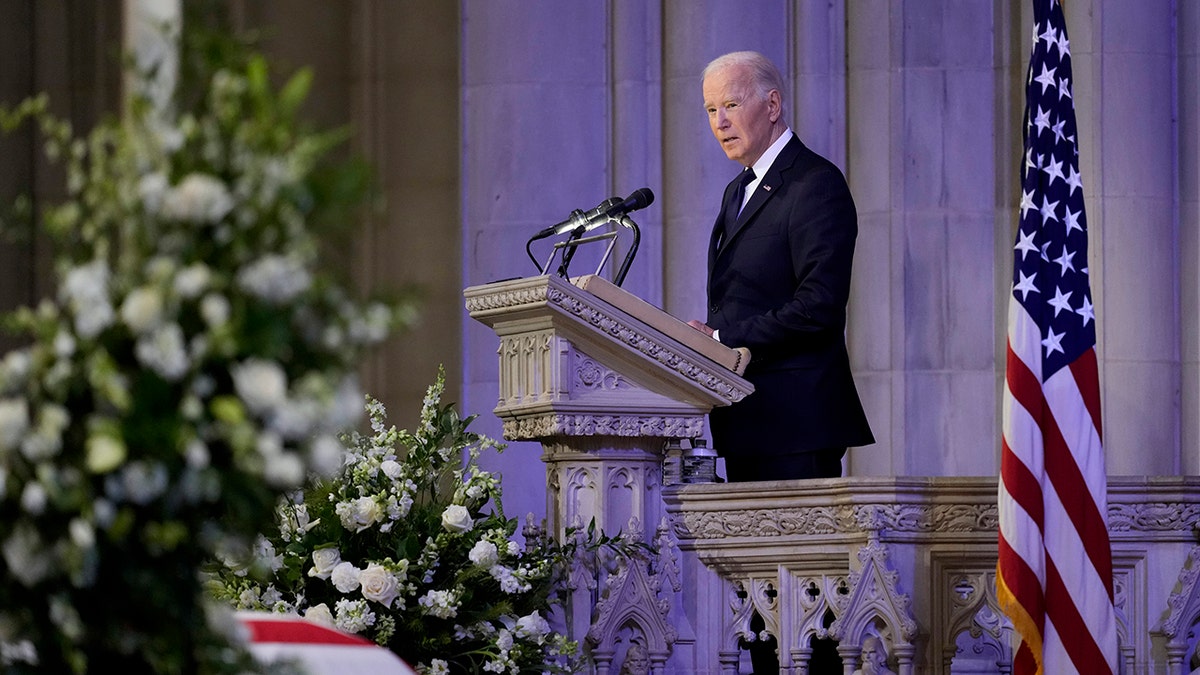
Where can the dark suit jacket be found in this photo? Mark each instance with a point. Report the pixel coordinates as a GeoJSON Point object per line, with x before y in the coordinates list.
{"type": "Point", "coordinates": [778, 284]}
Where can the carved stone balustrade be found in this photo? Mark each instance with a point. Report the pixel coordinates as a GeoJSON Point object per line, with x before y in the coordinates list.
{"type": "Point", "coordinates": [602, 380]}
{"type": "Point", "coordinates": [912, 561]}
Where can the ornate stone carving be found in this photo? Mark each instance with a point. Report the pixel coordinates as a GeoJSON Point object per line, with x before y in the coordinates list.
{"type": "Point", "coordinates": [510, 298]}
{"type": "Point", "coordinates": [711, 378]}
{"type": "Point", "coordinates": [633, 601]}
{"type": "Point", "coordinates": [836, 519]}
{"type": "Point", "coordinates": [876, 606]}
{"type": "Point", "coordinates": [1156, 517]}
{"type": "Point", "coordinates": [591, 375]}
{"type": "Point", "coordinates": [561, 424]}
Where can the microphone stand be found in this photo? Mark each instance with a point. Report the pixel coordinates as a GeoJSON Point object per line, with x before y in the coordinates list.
{"type": "Point", "coordinates": [637, 238]}
{"type": "Point", "coordinates": [576, 238]}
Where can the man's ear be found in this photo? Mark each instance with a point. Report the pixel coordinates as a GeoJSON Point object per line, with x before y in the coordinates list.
{"type": "Point", "coordinates": [774, 105]}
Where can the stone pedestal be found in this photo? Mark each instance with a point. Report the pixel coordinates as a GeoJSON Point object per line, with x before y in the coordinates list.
{"type": "Point", "coordinates": [603, 381]}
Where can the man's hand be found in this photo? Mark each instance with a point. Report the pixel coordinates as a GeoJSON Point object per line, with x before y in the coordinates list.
{"type": "Point", "coordinates": [701, 327]}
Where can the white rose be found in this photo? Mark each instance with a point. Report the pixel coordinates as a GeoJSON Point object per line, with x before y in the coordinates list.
{"type": "Point", "coordinates": [533, 625]}
{"type": "Point", "coordinates": [457, 519]}
{"type": "Point", "coordinates": [391, 468]}
{"type": "Point", "coordinates": [321, 615]}
{"type": "Point", "coordinates": [345, 577]}
{"type": "Point", "coordinates": [484, 554]}
{"type": "Point", "coordinates": [261, 384]}
{"type": "Point", "coordinates": [324, 560]}
{"type": "Point", "coordinates": [359, 514]}
{"type": "Point", "coordinates": [142, 309]}
{"type": "Point", "coordinates": [379, 584]}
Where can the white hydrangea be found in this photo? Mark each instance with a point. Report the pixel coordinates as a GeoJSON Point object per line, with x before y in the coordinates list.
{"type": "Point", "coordinates": [275, 278]}
{"type": "Point", "coordinates": [14, 369]}
{"type": "Point", "coordinates": [163, 351]}
{"type": "Point", "coordinates": [215, 310]}
{"type": "Point", "coordinates": [14, 422]}
{"type": "Point", "coordinates": [85, 292]}
{"type": "Point", "coordinates": [152, 190]}
{"type": "Point", "coordinates": [142, 482]}
{"type": "Point", "coordinates": [193, 280]}
{"type": "Point", "coordinates": [283, 470]}
{"type": "Point", "coordinates": [261, 384]}
{"type": "Point", "coordinates": [34, 498]}
{"type": "Point", "coordinates": [326, 455]}
{"type": "Point", "coordinates": [199, 198]}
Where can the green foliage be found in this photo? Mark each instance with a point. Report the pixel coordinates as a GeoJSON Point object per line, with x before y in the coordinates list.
{"type": "Point", "coordinates": [409, 546]}
{"type": "Point", "coordinates": [195, 365]}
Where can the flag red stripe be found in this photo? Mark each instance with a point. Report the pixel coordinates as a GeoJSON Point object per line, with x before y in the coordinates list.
{"type": "Point", "coordinates": [1076, 499]}
{"type": "Point", "coordinates": [300, 631]}
{"type": "Point", "coordinates": [1077, 638]}
{"type": "Point", "coordinates": [1087, 377]}
{"type": "Point", "coordinates": [1022, 485]}
{"type": "Point", "coordinates": [1023, 583]}
{"type": "Point", "coordinates": [1024, 662]}
{"type": "Point", "coordinates": [1061, 468]}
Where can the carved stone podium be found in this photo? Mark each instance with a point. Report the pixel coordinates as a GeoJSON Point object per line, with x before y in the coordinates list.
{"type": "Point", "coordinates": [603, 380]}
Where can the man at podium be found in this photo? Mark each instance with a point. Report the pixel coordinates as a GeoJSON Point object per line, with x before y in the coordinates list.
{"type": "Point", "coordinates": [778, 282]}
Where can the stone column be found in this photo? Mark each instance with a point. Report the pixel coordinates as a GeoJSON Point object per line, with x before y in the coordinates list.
{"type": "Point", "coordinates": [922, 110]}
{"type": "Point", "coordinates": [1123, 56]}
{"type": "Point", "coordinates": [536, 129]}
{"type": "Point", "coordinates": [1188, 149]}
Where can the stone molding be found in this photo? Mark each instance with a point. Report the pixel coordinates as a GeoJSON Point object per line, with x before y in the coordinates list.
{"type": "Point", "coordinates": [930, 511]}
{"type": "Point", "coordinates": [547, 425]}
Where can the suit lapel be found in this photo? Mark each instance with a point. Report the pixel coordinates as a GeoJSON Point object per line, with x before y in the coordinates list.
{"type": "Point", "coordinates": [767, 187]}
{"type": "Point", "coordinates": [715, 237]}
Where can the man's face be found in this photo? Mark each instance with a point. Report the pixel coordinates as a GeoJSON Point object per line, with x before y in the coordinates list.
{"type": "Point", "coordinates": [740, 119]}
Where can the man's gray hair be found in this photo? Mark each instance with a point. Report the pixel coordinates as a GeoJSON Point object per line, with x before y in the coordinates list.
{"type": "Point", "coordinates": [764, 73]}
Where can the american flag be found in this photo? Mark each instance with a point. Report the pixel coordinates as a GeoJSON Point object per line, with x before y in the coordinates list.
{"type": "Point", "coordinates": [1054, 577]}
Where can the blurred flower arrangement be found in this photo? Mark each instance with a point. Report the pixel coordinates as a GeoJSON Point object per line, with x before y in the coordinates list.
{"type": "Point", "coordinates": [409, 546]}
{"type": "Point", "coordinates": [194, 367]}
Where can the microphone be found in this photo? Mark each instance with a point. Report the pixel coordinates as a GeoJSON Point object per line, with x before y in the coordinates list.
{"type": "Point", "coordinates": [609, 208]}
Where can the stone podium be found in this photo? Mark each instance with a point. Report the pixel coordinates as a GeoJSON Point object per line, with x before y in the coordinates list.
{"type": "Point", "coordinates": [603, 380]}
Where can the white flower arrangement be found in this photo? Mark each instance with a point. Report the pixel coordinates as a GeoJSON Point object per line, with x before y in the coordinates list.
{"type": "Point", "coordinates": [195, 366]}
{"type": "Point", "coordinates": [408, 545]}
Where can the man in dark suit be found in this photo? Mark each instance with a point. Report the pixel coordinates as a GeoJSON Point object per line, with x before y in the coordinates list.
{"type": "Point", "coordinates": [778, 282]}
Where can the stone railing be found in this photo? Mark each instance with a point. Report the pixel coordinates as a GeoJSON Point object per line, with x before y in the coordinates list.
{"type": "Point", "coordinates": [605, 382]}
{"type": "Point", "coordinates": [911, 561]}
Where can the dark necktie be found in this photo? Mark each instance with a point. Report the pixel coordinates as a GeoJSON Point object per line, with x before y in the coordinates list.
{"type": "Point", "coordinates": [735, 203]}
